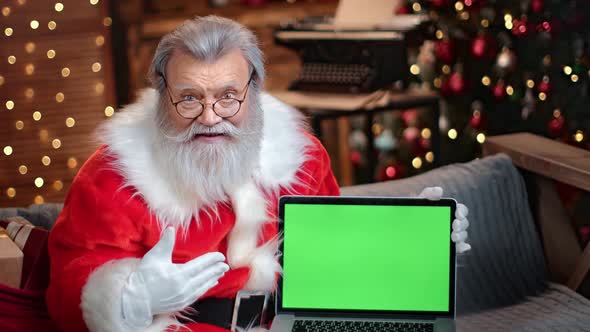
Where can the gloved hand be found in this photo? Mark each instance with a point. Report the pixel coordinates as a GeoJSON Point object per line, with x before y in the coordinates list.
{"type": "Point", "coordinates": [160, 286]}
{"type": "Point", "coordinates": [460, 224]}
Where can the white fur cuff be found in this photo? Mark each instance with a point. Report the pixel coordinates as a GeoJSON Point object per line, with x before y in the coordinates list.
{"type": "Point", "coordinates": [101, 299]}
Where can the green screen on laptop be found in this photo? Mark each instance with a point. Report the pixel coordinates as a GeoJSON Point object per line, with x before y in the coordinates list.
{"type": "Point", "coordinates": [366, 257]}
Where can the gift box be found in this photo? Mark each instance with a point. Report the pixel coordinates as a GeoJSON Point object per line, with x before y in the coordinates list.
{"type": "Point", "coordinates": [11, 261]}
{"type": "Point", "coordinates": [32, 241]}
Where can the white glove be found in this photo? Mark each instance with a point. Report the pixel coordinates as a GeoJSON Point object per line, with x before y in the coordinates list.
{"type": "Point", "coordinates": [160, 286]}
{"type": "Point", "coordinates": [460, 224]}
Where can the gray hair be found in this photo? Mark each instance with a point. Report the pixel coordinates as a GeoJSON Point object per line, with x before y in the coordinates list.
{"type": "Point", "coordinates": [208, 38]}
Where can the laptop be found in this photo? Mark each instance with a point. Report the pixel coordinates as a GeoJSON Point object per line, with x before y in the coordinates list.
{"type": "Point", "coordinates": [366, 264]}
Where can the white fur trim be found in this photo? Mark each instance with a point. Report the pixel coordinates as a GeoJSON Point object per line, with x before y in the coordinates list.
{"type": "Point", "coordinates": [130, 136]}
{"type": "Point", "coordinates": [264, 268]}
{"type": "Point", "coordinates": [101, 300]}
{"type": "Point", "coordinates": [250, 208]}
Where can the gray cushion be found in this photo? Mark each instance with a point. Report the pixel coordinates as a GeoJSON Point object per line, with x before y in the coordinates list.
{"type": "Point", "coordinates": [42, 215]}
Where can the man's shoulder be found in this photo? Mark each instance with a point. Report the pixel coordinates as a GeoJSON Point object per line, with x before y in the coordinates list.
{"type": "Point", "coordinates": [99, 169]}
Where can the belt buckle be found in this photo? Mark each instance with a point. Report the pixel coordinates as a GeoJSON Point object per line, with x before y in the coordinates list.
{"type": "Point", "coordinates": [256, 298]}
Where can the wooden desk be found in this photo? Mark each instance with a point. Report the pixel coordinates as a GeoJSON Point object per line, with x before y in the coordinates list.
{"type": "Point", "coordinates": [546, 160]}
{"type": "Point", "coordinates": [337, 106]}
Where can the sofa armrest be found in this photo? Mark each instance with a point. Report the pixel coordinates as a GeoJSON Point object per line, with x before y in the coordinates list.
{"type": "Point", "coordinates": [548, 160]}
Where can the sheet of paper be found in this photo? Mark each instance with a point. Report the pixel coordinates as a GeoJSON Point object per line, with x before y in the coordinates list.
{"type": "Point", "coordinates": [363, 14]}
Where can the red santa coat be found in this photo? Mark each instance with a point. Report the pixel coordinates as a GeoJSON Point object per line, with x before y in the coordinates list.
{"type": "Point", "coordinates": [112, 212]}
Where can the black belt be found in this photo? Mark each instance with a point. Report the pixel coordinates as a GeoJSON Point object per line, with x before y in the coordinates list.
{"type": "Point", "coordinates": [219, 312]}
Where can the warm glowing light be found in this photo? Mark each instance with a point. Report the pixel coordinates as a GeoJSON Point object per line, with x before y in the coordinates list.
{"type": "Point", "coordinates": [58, 185]}
{"type": "Point", "coordinates": [5, 11]}
{"type": "Point", "coordinates": [507, 18]}
{"type": "Point", "coordinates": [542, 96]}
{"type": "Point", "coordinates": [65, 72]}
{"type": "Point", "coordinates": [51, 54]}
{"type": "Point", "coordinates": [416, 7]}
{"type": "Point", "coordinates": [39, 199]}
{"type": "Point", "coordinates": [19, 125]}
{"type": "Point", "coordinates": [9, 105]}
{"type": "Point", "coordinates": [93, 2]}
{"type": "Point", "coordinates": [99, 88]}
{"type": "Point", "coordinates": [37, 116]}
{"type": "Point", "coordinates": [508, 25]}
{"type": "Point", "coordinates": [459, 6]}
{"type": "Point", "coordinates": [8, 150]}
{"type": "Point", "coordinates": [574, 78]}
{"type": "Point", "coordinates": [579, 136]}
{"type": "Point", "coordinates": [29, 69]}
{"type": "Point", "coordinates": [426, 133]}
{"type": "Point", "coordinates": [34, 24]}
{"type": "Point", "coordinates": [464, 16]}
{"type": "Point", "coordinates": [56, 143]}
{"type": "Point", "coordinates": [107, 21]}
{"type": "Point", "coordinates": [59, 7]}
{"type": "Point", "coordinates": [446, 69]}
{"type": "Point", "coordinates": [8, 32]}
{"type": "Point", "coordinates": [417, 162]}
{"type": "Point", "coordinates": [10, 192]}
{"type": "Point", "coordinates": [429, 156]}
{"type": "Point", "coordinates": [530, 83]}
{"type": "Point", "coordinates": [12, 59]}
{"type": "Point", "coordinates": [486, 81]}
{"type": "Point", "coordinates": [452, 133]}
{"type": "Point", "coordinates": [481, 138]}
{"type": "Point", "coordinates": [59, 97]}
{"type": "Point", "coordinates": [485, 23]}
{"type": "Point", "coordinates": [509, 90]}
{"type": "Point", "coordinates": [46, 160]}
{"type": "Point", "coordinates": [439, 34]}
{"type": "Point", "coordinates": [70, 122]}
{"type": "Point", "coordinates": [72, 162]}
{"type": "Point", "coordinates": [22, 169]}
{"type": "Point", "coordinates": [51, 25]}
{"type": "Point", "coordinates": [39, 182]}
{"type": "Point", "coordinates": [99, 41]}
{"type": "Point", "coordinates": [376, 129]}
{"type": "Point", "coordinates": [567, 70]}
{"type": "Point", "coordinates": [96, 67]}
{"type": "Point", "coordinates": [29, 93]}
{"type": "Point", "coordinates": [415, 69]}
{"type": "Point", "coordinates": [30, 47]}
{"type": "Point", "coordinates": [109, 111]}
{"type": "Point", "coordinates": [556, 113]}
{"type": "Point", "coordinates": [21, 2]}
{"type": "Point", "coordinates": [547, 60]}
{"type": "Point", "coordinates": [1, 80]}
{"type": "Point", "coordinates": [437, 82]}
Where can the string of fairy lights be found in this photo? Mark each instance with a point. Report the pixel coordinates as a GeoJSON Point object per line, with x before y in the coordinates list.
{"type": "Point", "coordinates": [62, 72]}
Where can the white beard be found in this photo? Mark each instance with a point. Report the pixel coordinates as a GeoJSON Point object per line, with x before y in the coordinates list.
{"type": "Point", "coordinates": [204, 174]}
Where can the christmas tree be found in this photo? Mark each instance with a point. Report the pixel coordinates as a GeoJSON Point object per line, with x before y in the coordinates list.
{"type": "Point", "coordinates": [505, 66]}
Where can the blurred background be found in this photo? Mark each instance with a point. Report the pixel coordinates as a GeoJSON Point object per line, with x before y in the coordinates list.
{"type": "Point", "coordinates": [497, 66]}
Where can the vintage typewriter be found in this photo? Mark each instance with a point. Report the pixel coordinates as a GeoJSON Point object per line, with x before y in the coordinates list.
{"type": "Point", "coordinates": [348, 61]}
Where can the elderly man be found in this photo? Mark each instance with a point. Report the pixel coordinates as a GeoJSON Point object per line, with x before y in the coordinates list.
{"type": "Point", "coordinates": [176, 212]}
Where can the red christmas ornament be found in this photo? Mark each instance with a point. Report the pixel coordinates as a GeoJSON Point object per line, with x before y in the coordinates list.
{"type": "Point", "coordinates": [556, 126]}
{"type": "Point", "coordinates": [477, 121]}
{"type": "Point", "coordinates": [520, 27]}
{"type": "Point", "coordinates": [445, 50]}
{"type": "Point", "coordinates": [403, 10]}
{"type": "Point", "coordinates": [457, 84]}
{"type": "Point", "coordinates": [356, 158]}
{"type": "Point", "coordinates": [545, 85]}
{"type": "Point", "coordinates": [411, 134]}
{"type": "Point", "coordinates": [499, 90]}
{"type": "Point", "coordinates": [537, 6]}
{"type": "Point", "coordinates": [484, 46]}
{"type": "Point", "coordinates": [390, 172]}
{"type": "Point", "coordinates": [410, 117]}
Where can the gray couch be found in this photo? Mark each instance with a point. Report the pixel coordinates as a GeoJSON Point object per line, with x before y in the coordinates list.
{"type": "Point", "coordinates": [502, 283]}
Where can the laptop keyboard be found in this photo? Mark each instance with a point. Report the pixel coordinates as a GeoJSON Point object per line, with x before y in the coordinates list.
{"type": "Point", "coordinates": [359, 326]}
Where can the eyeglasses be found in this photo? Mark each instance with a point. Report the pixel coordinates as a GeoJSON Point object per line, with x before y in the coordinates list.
{"type": "Point", "coordinates": [193, 108]}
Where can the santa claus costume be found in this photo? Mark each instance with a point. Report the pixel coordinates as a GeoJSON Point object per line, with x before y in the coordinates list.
{"type": "Point", "coordinates": [117, 203]}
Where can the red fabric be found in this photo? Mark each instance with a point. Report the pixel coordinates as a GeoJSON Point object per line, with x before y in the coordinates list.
{"type": "Point", "coordinates": [101, 222]}
{"type": "Point", "coordinates": [23, 311]}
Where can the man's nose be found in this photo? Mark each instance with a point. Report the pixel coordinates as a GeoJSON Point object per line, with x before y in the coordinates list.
{"type": "Point", "coordinates": [208, 117]}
